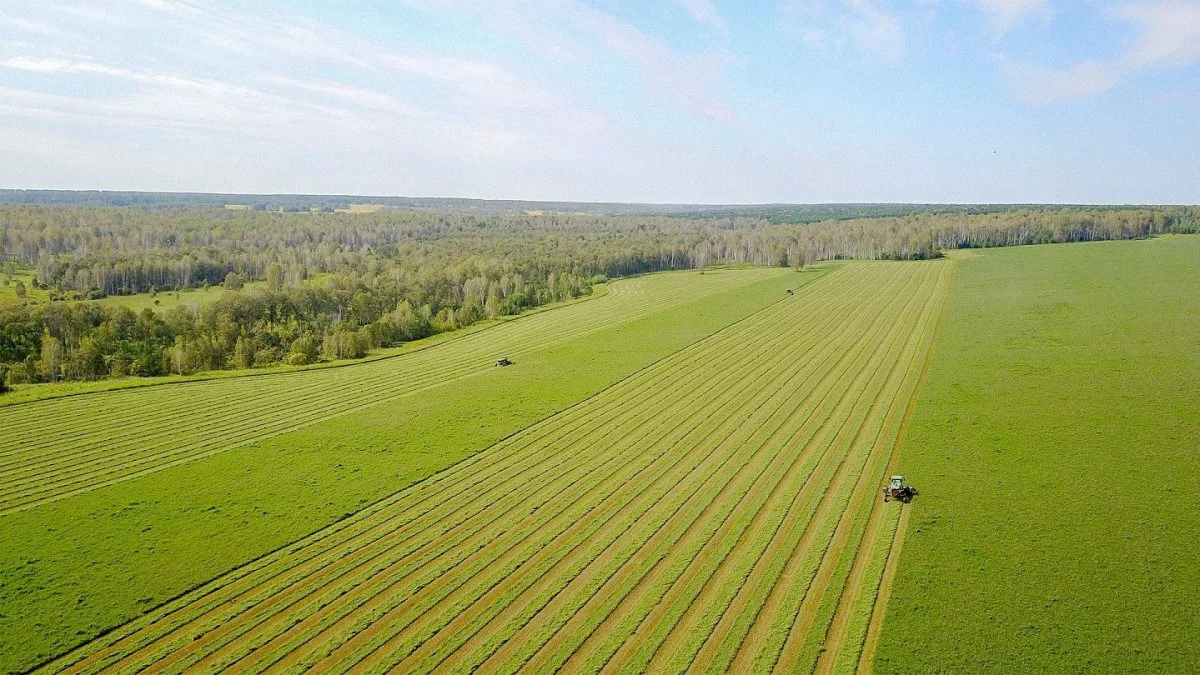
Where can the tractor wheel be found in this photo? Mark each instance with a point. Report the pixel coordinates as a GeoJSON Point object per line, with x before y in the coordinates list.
{"type": "Point", "coordinates": [907, 499]}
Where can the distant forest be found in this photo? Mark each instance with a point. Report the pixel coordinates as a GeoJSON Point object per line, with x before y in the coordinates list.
{"type": "Point", "coordinates": [776, 213]}
{"type": "Point", "coordinates": [336, 285]}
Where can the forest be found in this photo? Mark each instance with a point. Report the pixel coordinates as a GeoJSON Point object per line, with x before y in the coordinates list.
{"type": "Point", "coordinates": [337, 285]}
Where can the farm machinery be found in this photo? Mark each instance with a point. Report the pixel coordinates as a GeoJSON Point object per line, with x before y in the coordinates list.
{"type": "Point", "coordinates": [898, 489]}
{"type": "Point", "coordinates": [504, 361]}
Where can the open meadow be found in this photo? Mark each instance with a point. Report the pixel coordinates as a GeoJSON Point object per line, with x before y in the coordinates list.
{"type": "Point", "coordinates": [587, 336]}
{"type": "Point", "coordinates": [681, 474]}
{"type": "Point", "coordinates": [82, 563]}
{"type": "Point", "coordinates": [1057, 447]}
{"type": "Point", "coordinates": [718, 508]}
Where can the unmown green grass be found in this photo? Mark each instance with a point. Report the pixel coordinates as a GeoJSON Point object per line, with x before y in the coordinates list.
{"type": "Point", "coordinates": [1056, 445]}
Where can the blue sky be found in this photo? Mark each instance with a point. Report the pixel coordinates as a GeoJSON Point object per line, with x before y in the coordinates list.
{"type": "Point", "coordinates": [705, 101]}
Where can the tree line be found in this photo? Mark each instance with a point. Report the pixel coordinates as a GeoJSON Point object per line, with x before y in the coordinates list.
{"type": "Point", "coordinates": [336, 285]}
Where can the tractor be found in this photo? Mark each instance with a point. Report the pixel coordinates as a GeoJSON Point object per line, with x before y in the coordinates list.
{"type": "Point", "coordinates": [898, 489]}
{"type": "Point", "coordinates": [504, 361]}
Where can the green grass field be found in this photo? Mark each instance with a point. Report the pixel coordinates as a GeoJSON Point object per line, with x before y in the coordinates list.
{"type": "Point", "coordinates": [1057, 448]}
{"type": "Point", "coordinates": [79, 565]}
{"type": "Point", "coordinates": [718, 507]}
{"type": "Point", "coordinates": [48, 455]}
{"type": "Point", "coordinates": [25, 393]}
{"type": "Point", "coordinates": [189, 298]}
{"type": "Point", "coordinates": [680, 475]}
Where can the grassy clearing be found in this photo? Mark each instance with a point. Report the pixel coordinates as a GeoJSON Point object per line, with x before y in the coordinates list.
{"type": "Point", "coordinates": [74, 567]}
{"type": "Point", "coordinates": [615, 535]}
{"type": "Point", "coordinates": [46, 455]}
{"type": "Point", "coordinates": [190, 298]}
{"type": "Point", "coordinates": [1055, 446]}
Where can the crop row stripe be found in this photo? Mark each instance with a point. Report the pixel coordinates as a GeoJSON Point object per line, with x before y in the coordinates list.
{"type": "Point", "coordinates": [639, 653]}
{"type": "Point", "coordinates": [254, 430]}
{"type": "Point", "coordinates": [772, 433]}
{"type": "Point", "coordinates": [430, 631]}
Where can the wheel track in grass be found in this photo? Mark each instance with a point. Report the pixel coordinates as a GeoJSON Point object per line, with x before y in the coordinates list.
{"type": "Point", "coordinates": [661, 502]}
{"type": "Point", "coordinates": [866, 657]}
{"type": "Point", "coordinates": [442, 478]}
{"type": "Point", "coordinates": [47, 455]}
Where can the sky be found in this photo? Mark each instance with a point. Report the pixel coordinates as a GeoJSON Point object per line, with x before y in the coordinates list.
{"type": "Point", "coordinates": [674, 101]}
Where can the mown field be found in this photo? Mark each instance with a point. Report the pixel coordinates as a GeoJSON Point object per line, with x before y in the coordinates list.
{"type": "Point", "coordinates": [73, 567]}
{"type": "Point", "coordinates": [1057, 447]}
{"type": "Point", "coordinates": [46, 454]}
{"type": "Point", "coordinates": [717, 509]}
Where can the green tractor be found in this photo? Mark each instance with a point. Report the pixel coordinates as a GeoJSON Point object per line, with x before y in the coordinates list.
{"type": "Point", "coordinates": [898, 489]}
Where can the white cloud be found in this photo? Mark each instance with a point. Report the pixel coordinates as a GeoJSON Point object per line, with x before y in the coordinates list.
{"type": "Point", "coordinates": [1005, 14]}
{"type": "Point", "coordinates": [686, 79]}
{"type": "Point", "coordinates": [1042, 85]}
{"type": "Point", "coordinates": [867, 26]}
{"type": "Point", "coordinates": [703, 12]}
{"type": "Point", "coordinates": [1169, 33]}
{"type": "Point", "coordinates": [479, 80]}
{"type": "Point", "coordinates": [1167, 36]}
{"type": "Point", "coordinates": [25, 25]}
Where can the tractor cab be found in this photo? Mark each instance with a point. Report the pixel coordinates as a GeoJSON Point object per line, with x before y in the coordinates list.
{"type": "Point", "coordinates": [898, 489]}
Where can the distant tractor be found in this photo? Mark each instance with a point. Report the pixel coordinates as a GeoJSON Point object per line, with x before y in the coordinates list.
{"type": "Point", "coordinates": [504, 361]}
{"type": "Point", "coordinates": [789, 292]}
{"type": "Point", "coordinates": [898, 489]}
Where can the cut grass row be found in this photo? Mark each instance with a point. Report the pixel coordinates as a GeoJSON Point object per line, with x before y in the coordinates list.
{"type": "Point", "coordinates": [615, 535]}
{"type": "Point", "coordinates": [45, 454]}
{"type": "Point", "coordinates": [497, 459]}
{"type": "Point", "coordinates": [79, 566]}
